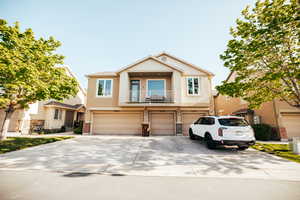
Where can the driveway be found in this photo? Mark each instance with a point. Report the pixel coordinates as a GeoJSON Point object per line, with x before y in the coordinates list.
{"type": "Point", "coordinates": [153, 156]}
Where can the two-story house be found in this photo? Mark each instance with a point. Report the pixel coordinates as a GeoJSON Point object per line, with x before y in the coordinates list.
{"type": "Point", "coordinates": [163, 91]}
{"type": "Point", "coordinates": [278, 114]}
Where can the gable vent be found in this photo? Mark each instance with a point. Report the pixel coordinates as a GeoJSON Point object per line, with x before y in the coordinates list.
{"type": "Point", "coordinates": [164, 58]}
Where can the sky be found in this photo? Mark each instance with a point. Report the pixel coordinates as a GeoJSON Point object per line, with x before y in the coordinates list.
{"type": "Point", "coordinates": [105, 35]}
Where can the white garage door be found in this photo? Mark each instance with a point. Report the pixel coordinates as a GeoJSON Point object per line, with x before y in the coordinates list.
{"type": "Point", "coordinates": [292, 125]}
{"type": "Point", "coordinates": [187, 120]}
{"type": "Point", "coordinates": [117, 123]}
{"type": "Point", "coordinates": [162, 124]}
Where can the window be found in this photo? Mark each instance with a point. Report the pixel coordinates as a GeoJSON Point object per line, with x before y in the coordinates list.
{"type": "Point", "coordinates": [233, 122]}
{"type": "Point", "coordinates": [193, 85]}
{"type": "Point", "coordinates": [104, 87]}
{"type": "Point", "coordinates": [57, 114]}
{"type": "Point", "coordinates": [156, 88]}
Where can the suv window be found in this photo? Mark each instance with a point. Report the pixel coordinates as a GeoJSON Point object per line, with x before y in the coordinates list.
{"type": "Point", "coordinates": [199, 120]}
{"type": "Point", "coordinates": [208, 121]}
{"type": "Point", "coordinates": [233, 122]}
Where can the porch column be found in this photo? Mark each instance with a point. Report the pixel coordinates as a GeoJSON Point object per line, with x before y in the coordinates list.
{"type": "Point", "coordinates": [178, 122]}
{"type": "Point", "coordinates": [145, 124]}
{"type": "Point", "coordinates": [87, 123]}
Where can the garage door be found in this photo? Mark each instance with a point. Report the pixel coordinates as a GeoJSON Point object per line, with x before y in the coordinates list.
{"type": "Point", "coordinates": [292, 125]}
{"type": "Point", "coordinates": [162, 124]}
{"type": "Point", "coordinates": [117, 123]}
{"type": "Point", "coordinates": [187, 120]}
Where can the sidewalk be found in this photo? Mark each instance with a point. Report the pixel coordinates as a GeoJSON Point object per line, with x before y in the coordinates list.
{"type": "Point", "coordinates": [17, 134]}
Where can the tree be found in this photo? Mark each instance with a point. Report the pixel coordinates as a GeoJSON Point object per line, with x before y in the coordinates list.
{"type": "Point", "coordinates": [265, 54]}
{"type": "Point", "coordinates": [28, 73]}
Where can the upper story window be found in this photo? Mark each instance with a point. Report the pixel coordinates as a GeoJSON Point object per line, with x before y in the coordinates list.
{"type": "Point", "coordinates": [104, 87]}
{"type": "Point", "coordinates": [193, 85]}
{"type": "Point", "coordinates": [156, 88]}
{"type": "Point", "coordinates": [58, 114]}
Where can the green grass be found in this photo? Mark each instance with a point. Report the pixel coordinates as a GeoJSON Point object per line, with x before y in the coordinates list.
{"type": "Point", "coordinates": [281, 150]}
{"type": "Point", "coordinates": [17, 143]}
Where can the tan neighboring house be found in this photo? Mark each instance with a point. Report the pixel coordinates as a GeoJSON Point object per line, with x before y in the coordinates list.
{"type": "Point", "coordinates": [50, 115]}
{"type": "Point", "coordinates": [163, 93]}
{"type": "Point", "coordinates": [278, 114]}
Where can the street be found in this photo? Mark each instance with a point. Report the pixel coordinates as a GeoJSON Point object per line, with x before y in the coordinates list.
{"type": "Point", "coordinates": [34, 185]}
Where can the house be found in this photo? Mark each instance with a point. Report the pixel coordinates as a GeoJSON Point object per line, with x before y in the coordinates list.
{"type": "Point", "coordinates": [50, 115]}
{"type": "Point", "coordinates": [162, 92]}
{"type": "Point", "coordinates": [278, 114]}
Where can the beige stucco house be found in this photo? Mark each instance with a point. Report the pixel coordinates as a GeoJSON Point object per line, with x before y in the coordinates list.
{"type": "Point", "coordinates": [278, 114]}
{"type": "Point", "coordinates": [162, 92]}
{"type": "Point", "coordinates": [50, 115]}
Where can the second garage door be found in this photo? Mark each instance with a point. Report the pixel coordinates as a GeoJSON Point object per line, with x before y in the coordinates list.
{"type": "Point", "coordinates": [117, 123]}
{"type": "Point", "coordinates": [187, 120]}
{"type": "Point", "coordinates": [292, 125]}
{"type": "Point", "coordinates": [162, 124]}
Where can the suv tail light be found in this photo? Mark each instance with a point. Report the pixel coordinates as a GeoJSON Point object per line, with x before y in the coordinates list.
{"type": "Point", "coordinates": [220, 131]}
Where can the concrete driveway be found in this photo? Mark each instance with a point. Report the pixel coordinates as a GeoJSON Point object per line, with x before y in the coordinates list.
{"type": "Point", "coordinates": [153, 156]}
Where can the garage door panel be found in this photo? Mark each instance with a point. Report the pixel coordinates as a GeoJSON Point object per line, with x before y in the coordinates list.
{"type": "Point", "coordinates": [292, 125]}
{"type": "Point", "coordinates": [162, 124]}
{"type": "Point", "coordinates": [188, 119]}
{"type": "Point", "coordinates": [117, 123]}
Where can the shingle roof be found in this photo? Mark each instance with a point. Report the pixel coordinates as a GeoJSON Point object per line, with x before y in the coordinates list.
{"type": "Point", "coordinates": [59, 104]}
{"type": "Point", "coordinates": [102, 74]}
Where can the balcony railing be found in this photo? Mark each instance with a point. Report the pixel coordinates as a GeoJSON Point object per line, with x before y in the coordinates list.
{"type": "Point", "coordinates": [153, 96]}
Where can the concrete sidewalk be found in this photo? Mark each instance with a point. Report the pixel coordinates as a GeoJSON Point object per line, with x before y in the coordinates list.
{"type": "Point", "coordinates": [153, 156]}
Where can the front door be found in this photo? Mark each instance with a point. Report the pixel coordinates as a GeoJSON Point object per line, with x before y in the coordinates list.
{"type": "Point", "coordinates": [69, 118]}
{"type": "Point", "coordinates": [135, 90]}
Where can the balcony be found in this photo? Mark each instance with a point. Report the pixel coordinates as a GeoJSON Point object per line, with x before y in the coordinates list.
{"type": "Point", "coordinates": [151, 97]}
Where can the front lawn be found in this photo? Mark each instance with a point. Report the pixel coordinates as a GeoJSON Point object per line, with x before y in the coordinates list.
{"type": "Point", "coordinates": [17, 143]}
{"type": "Point", "coordinates": [281, 150]}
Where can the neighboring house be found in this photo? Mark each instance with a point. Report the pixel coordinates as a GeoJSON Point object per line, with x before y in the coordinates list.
{"type": "Point", "coordinates": [50, 115]}
{"type": "Point", "coordinates": [163, 93]}
{"type": "Point", "coordinates": [278, 114]}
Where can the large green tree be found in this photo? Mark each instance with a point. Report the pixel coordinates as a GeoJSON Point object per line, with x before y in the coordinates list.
{"type": "Point", "coordinates": [28, 71]}
{"type": "Point", "coordinates": [265, 54]}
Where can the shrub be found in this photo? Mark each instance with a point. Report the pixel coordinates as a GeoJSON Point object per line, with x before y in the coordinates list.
{"type": "Point", "coordinates": [62, 129]}
{"type": "Point", "coordinates": [263, 132]}
{"type": "Point", "coordinates": [78, 130]}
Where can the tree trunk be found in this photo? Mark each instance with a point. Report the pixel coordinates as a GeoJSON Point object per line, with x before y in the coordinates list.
{"type": "Point", "coordinates": [5, 124]}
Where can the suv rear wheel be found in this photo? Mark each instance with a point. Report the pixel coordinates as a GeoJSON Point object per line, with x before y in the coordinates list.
{"type": "Point", "coordinates": [209, 142]}
{"type": "Point", "coordinates": [191, 134]}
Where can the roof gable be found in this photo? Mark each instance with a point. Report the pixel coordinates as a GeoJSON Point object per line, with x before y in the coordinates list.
{"type": "Point", "coordinates": [185, 63]}
{"type": "Point", "coordinates": [146, 59]}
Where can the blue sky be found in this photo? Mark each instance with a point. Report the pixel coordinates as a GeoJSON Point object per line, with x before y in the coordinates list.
{"type": "Point", "coordinates": [105, 35]}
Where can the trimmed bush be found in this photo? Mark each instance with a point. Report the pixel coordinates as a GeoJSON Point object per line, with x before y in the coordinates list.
{"type": "Point", "coordinates": [62, 129]}
{"type": "Point", "coordinates": [77, 130]}
{"type": "Point", "coordinates": [263, 132]}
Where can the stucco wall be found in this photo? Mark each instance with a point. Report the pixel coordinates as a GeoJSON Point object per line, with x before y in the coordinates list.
{"type": "Point", "coordinates": [177, 83]}
{"type": "Point", "coordinates": [225, 105]}
{"type": "Point", "coordinates": [50, 122]}
{"type": "Point", "coordinates": [93, 101]}
{"type": "Point", "coordinates": [187, 69]}
{"type": "Point", "coordinates": [203, 97]}
{"type": "Point", "coordinates": [15, 120]}
{"type": "Point", "coordinates": [150, 66]}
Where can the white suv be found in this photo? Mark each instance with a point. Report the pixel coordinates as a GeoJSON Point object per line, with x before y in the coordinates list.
{"type": "Point", "coordinates": [223, 130]}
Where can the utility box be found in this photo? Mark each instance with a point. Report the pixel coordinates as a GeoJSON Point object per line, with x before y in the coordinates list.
{"type": "Point", "coordinates": [295, 145]}
{"type": "Point", "coordinates": [145, 129]}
